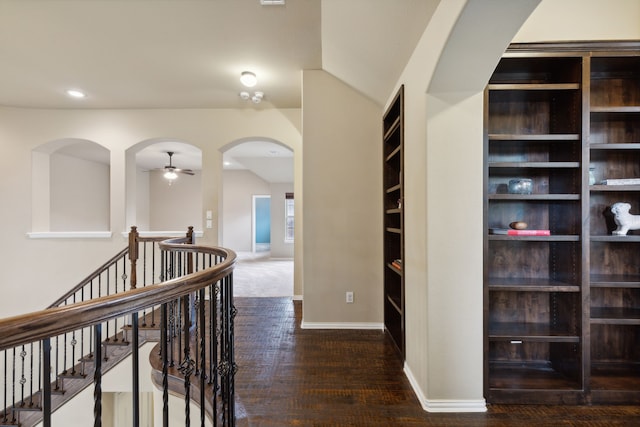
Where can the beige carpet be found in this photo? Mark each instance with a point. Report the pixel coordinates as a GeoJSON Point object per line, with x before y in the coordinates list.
{"type": "Point", "coordinates": [258, 275]}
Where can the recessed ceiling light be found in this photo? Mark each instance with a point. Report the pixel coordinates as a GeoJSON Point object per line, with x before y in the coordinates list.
{"type": "Point", "coordinates": [248, 79]}
{"type": "Point", "coordinates": [74, 93]}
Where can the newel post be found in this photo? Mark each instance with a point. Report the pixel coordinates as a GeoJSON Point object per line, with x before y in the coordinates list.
{"type": "Point", "coordinates": [135, 375]}
{"type": "Point", "coordinates": [133, 256]}
{"type": "Point", "coordinates": [190, 235]}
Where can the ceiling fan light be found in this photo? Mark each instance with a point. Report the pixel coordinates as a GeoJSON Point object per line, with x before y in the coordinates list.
{"type": "Point", "coordinates": [170, 175]}
{"type": "Point", "coordinates": [248, 79]}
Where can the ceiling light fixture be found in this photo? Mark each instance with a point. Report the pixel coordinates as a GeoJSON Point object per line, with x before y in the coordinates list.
{"type": "Point", "coordinates": [272, 2]}
{"type": "Point", "coordinates": [248, 79]}
{"type": "Point", "coordinates": [74, 93]}
{"type": "Point", "coordinates": [256, 98]}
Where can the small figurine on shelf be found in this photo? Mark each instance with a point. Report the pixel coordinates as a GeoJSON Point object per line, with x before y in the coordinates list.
{"type": "Point", "coordinates": [623, 219]}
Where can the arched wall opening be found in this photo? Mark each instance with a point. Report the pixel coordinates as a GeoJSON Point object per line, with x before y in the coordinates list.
{"type": "Point", "coordinates": [154, 203]}
{"type": "Point", "coordinates": [256, 166]}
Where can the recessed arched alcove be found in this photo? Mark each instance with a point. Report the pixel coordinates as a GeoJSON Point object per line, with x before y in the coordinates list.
{"type": "Point", "coordinates": [156, 203]}
{"type": "Point", "coordinates": [70, 187]}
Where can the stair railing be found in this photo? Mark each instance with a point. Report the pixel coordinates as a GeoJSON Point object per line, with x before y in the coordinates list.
{"type": "Point", "coordinates": [40, 350]}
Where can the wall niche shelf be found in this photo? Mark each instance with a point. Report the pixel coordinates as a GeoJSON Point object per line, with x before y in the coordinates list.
{"type": "Point", "coordinates": [562, 312]}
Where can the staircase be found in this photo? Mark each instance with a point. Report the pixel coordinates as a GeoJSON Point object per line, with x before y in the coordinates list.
{"type": "Point", "coordinates": [188, 310]}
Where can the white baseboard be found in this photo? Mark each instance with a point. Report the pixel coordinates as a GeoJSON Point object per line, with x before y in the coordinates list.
{"type": "Point", "coordinates": [341, 325]}
{"type": "Point", "coordinates": [443, 405]}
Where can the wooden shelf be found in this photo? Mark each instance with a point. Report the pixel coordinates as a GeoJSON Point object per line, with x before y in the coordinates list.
{"type": "Point", "coordinates": [535, 137]}
{"type": "Point", "coordinates": [615, 281]}
{"type": "Point", "coordinates": [615, 109]}
{"type": "Point", "coordinates": [530, 285]}
{"type": "Point", "coordinates": [614, 146]}
{"type": "Point", "coordinates": [395, 152]}
{"type": "Point", "coordinates": [534, 197]}
{"type": "Point", "coordinates": [393, 232]}
{"type": "Point", "coordinates": [534, 165]}
{"type": "Point", "coordinates": [395, 269]}
{"type": "Point", "coordinates": [534, 86]}
{"type": "Point", "coordinates": [552, 238]}
{"type": "Point", "coordinates": [396, 187]}
{"type": "Point", "coordinates": [531, 332]}
{"type": "Point", "coordinates": [615, 315]}
{"type": "Point", "coordinates": [395, 125]}
{"type": "Point", "coordinates": [616, 239]}
{"type": "Point", "coordinates": [614, 188]}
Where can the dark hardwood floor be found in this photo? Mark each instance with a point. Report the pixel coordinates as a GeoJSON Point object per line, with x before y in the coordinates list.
{"type": "Point", "coordinates": [289, 376]}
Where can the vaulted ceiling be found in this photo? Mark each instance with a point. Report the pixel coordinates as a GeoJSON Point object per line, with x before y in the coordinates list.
{"type": "Point", "coordinates": [190, 53]}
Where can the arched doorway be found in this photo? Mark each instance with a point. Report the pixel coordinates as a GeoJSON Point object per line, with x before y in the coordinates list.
{"type": "Point", "coordinates": [259, 172]}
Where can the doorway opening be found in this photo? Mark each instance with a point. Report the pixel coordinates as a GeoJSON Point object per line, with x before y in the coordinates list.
{"type": "Point", "coordinates": [261, 229]}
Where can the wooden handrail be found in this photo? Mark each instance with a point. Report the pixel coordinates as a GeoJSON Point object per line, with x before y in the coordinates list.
{"type": "Point", "coordinates": [27, 328]}
{"type": "Point", "coordinates": [90, 277]}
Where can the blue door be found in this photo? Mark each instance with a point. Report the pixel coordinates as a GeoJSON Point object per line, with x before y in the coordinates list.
{"type": "Point", "coordinates": [263, 221]}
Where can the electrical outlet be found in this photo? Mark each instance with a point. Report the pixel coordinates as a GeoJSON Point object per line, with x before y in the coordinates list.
{"type": "Point", "coordinates": [349, 297]}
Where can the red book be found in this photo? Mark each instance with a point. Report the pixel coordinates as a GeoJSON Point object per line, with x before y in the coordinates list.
{"type": "Point", "coordinates": [510, 232]}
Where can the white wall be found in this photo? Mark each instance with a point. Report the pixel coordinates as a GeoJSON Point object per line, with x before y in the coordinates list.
{"type": "Point", "coordinates": [239, 187]}
{"type": "Point", "coordinates": [63, 263]}
{"type": "Point", "coordinates": [142, 199]}
{"type": "Point", "coordinates": [342, 181]}
{"type": "Point", "coordinates": [79, 194]}
{"type": "Point", "coordinates": [175, 207]}
{"type": "Point", "coordinates": [280, 248]}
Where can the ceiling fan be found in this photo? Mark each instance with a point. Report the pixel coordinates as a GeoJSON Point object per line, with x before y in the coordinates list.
{"type": "Point", "coordinates": [171, 172]}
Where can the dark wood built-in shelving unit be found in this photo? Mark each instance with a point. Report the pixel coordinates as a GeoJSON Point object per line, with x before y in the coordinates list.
{"type": "Point", "coordinates": [562, 312]}
{"type": "Point", "coordinates": [393, 211]}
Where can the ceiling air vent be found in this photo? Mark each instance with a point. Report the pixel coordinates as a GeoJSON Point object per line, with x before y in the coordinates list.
{"type": "Point", "coordinates": [272, 2]}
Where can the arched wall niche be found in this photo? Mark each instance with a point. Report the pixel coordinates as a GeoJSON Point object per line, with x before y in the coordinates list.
{"type": "Point", "coordinates": [155, 204]}
{"type": "Point", "coordinates": [255, 166]}
{"type": "Point", "coordinates": [70, 188]}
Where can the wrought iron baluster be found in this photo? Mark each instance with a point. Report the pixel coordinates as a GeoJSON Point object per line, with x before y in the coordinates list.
{"type": "Point", "coordinates": [23, 379]}
{"type": "Point", "coordinates": [46, 379]}
{"type": "Point", "coordinates": [203, 354]}
{"type": "Point", "coordinates": [4, 383]}
{"type": "Point", "coordinates": [187, 365]}
{"type": "Point", "coordinates": [13, 386]}
{"type": "Point", "coordinates": [97, 377]}
{"type": "Point", "coordinates": [31, 375]}
{"type": "Point", "coordinates": [164, 332]}
{"type": "Point", "coordinates": [73, 346]}
{"type": "Point", "coordinates": [107, 323]}
{"type": "Point", "coordinates": [115, 291]}
{"type": "Point", "coordinates": [136, 371]}
{"type": "Point", "coordinates": [64, 351]}
{"type": "Point", "coordinates": [57, 371]}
